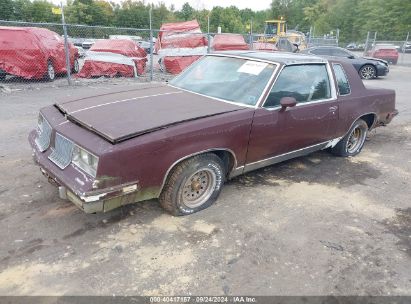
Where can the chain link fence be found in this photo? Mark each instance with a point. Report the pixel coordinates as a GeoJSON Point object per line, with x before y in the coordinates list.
{"type": "Point", "coordinates": [81, 53]}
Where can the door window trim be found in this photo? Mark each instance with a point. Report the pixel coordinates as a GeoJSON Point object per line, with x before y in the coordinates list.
{"type": "Point", "coordinates": [331, 80]}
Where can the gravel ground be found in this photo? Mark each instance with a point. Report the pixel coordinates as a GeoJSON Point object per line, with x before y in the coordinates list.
{"type": "Point", "coordinates": [316, 225]}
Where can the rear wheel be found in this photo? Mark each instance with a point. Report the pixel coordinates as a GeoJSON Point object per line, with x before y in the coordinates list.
{"type": "Point", "coordinates": [352, 143]}
{"type": "Point", "coordinates": [368, 72]}
{"type": "Point", "coordinates": [193, 185]}
{"type": "Point", "coordinates": [51, 73]}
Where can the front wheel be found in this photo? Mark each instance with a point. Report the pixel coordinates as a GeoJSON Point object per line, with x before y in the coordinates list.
{"type": "Point", "coordinates": [352, 143]}
{"type": "Point", "coordinates": [193, 185]}
{"type": "Point", "coordinates": [368, 72]}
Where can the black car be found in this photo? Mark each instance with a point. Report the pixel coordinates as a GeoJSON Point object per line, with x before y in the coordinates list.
{"type": "Point", "coordinates": [367, 68]}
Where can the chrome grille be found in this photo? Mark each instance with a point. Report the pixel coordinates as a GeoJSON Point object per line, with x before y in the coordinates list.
{"type": "Point", "coordinates": [44, 134]}
{"type": "Point", "coordinates": [62, 152]}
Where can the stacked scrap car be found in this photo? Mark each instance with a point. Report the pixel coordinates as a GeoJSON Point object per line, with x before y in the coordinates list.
{"type": "Point", "coordinates": [264, 46]}
{"type": "Point", "coordinates": [114, 57]}
{"type": "Point", "coordinates": [179, 45]}
{"type": "Point", "coordinates": [34, 53]}
{"type": "Point", "coordinates": [229, 42]}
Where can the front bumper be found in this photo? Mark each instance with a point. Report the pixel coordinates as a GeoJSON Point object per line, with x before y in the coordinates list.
{"type": "Point", "coordinates": [382, 70]}
{"type": "Point", "coordinates": [77, 187]}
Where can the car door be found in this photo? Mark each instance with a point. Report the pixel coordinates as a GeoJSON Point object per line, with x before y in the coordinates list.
{"type": "Point", "coordinates": [307, 126]}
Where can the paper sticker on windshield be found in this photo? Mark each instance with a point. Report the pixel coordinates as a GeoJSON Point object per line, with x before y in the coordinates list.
{"type": "Point", "coordinates": [252, 67]}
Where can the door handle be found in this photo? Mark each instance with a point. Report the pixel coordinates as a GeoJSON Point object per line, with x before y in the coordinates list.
{"type": "Point", "coordinates": [333, 109]}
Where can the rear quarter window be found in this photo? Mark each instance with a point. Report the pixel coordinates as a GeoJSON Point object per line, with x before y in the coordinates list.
{"type": "Point", "coordinates": [342, 80]}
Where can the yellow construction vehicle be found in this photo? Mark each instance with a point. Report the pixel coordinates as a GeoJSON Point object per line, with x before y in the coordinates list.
{"type": "Point", "coordinates": [275, 32]}
{"type": "Point", "coordinates": [274, 29]}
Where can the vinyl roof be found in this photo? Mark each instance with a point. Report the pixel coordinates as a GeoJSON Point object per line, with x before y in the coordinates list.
{"type": "Point", "coordinates": [276, 57]}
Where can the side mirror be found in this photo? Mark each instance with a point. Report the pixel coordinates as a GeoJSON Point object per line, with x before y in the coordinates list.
{"type": "Point", "coordinates": [286, 102]}
{"type": "Point", "coordinates": [351, 57]}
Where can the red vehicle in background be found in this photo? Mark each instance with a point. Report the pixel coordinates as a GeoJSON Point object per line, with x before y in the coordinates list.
{"type": "Point", "coordinates": [114, 57]}
{"type": "Point", "coordinates": [229, 42]}
{"type": "Point", "coordinates": [386, 52]}
{"type": "Point", "coordinates": [34, 53]}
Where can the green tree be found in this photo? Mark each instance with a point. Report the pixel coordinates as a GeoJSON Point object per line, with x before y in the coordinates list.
{"type": "Point", "coordinates": [187, 12]}
{"type": "Point", "coordinates": [132, 14]}
{"type": "Point", "coordinates": [6, 9]}
{"type": "Point", "coordinates": [228, 19]}
{"type": "Point", "coordinates": [21, 10]}
{"type": "Point", "coordinates": [40, 11]}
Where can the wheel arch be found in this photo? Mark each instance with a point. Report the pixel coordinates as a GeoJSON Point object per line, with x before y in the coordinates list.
{"type": "Point", "coordinates": [369, 118]}
{"type": "Point", "coordinates": [226, 155]}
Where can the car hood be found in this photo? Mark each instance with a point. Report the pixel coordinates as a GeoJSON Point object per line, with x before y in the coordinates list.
{"type": "Point", "coordinates": [122, 115]}
{"type": "Point", "coordinates": [376, 59]}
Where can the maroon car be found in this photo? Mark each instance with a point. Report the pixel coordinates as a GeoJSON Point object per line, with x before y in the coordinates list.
{"type": "Point", "coordinates": [227, 114]}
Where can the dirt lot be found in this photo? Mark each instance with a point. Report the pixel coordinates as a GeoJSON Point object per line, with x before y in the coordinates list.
{"type": "Point", "coordinates": [311, 226]}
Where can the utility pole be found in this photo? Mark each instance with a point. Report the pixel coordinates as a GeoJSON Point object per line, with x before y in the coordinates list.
{"type": "Point", "coordinates": [208, 32]}
{"type": "Point", "coordinates": [66, 48]}
{"type": "Point", "coordinates": [151, 45]}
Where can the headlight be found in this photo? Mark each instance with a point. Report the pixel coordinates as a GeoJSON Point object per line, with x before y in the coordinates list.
{"type": "Point", "coordinates": [85, 160]}
{"type": "Point", "coordinates": [40, 120]}
{"type": "Point", "coordinates": [43, 133]}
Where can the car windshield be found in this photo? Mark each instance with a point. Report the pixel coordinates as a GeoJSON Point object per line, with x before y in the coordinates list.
{"type": "Point", "coordinates": [232, 79]}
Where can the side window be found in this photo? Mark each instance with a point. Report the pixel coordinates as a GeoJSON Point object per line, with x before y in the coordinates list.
{"type": "Point", "coordinates": [303, 82]}
{"type": "Point", "coordinates": [342, 81]}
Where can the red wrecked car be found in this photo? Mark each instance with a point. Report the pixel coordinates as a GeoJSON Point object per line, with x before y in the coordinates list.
{"type": "Point", "coordinates": [114, 57]}
{"type": "Point", "coordinates": [264, 46]}
{"type": "Point", "coordinates": [34, 53]}
{"type": "Point", "coordinates": [180, 44]}
{"type": "Point", "coordinates": [387, 52]}
{"type": "Point", "coordinates": [229, 42]}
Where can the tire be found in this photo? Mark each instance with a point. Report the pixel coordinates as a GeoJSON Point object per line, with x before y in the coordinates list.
{"type": "Point", "coordinates": [352, 143]}
{"type": "Point", "coordinates": [51, 72]}
{"type": "Point", "coordinates": [76, 66]}
{"type": "Point", "coordinates": [183, 192]}
{"type": "Point", "coordinates": [368, 71]}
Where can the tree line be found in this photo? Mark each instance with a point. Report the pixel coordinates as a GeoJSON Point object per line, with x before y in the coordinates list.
{"type": "Point", "coordinates": [354, 18]}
